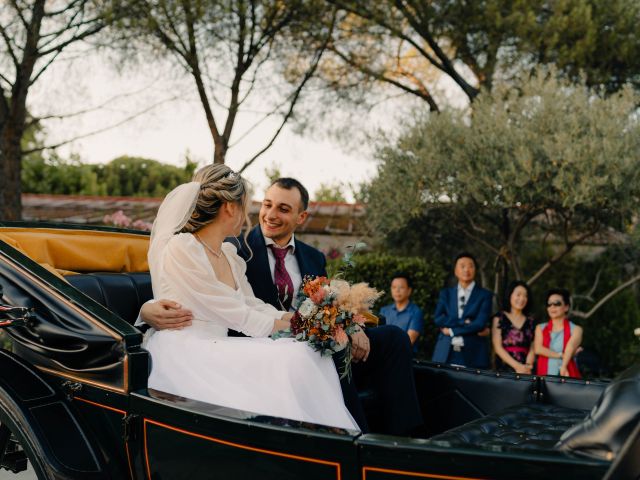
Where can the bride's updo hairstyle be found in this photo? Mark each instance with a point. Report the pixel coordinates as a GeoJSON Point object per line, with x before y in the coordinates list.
{"type": "Point", "coordinates": [219, 185]}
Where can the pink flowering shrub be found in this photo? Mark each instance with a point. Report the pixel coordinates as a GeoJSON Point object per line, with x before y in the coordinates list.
{"type": "Point", "coordinates": [142, 225]}
{"type": "Point", "coordinates": [117, 219]}
{"type": "Point", "coordinates": [121, 220]}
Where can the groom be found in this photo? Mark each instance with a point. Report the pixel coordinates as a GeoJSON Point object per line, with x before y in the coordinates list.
{"type": "Point", "coordinates": [275, 268]}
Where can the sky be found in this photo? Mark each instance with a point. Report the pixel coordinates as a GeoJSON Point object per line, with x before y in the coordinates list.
{"type": "Point", "coordinates": [173, 125]}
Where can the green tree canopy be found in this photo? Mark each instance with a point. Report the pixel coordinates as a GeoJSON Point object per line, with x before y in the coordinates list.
{"type": "Point", "coordinates": [549, 161]}
{"type": "Point", "coordinates": [123, 176]}
{"type": "Point", "coordinates": [328, 192]}
{"type": "Point", "coordinates": [411, 45]}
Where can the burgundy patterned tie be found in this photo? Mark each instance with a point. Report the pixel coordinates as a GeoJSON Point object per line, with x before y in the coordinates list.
{"type": "Point", "coordinates": [281, 277]}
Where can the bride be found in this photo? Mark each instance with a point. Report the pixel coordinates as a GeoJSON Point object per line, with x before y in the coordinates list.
{"type": "Point", "coordinates": [191, 263]}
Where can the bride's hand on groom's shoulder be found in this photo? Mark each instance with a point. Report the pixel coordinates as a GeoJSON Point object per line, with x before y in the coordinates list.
{"type": "Point", "coordinates": [165, 314]}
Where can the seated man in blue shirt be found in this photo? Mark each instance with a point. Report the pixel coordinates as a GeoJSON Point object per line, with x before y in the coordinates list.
{"type": "Point", "coordinates": [403, 312]}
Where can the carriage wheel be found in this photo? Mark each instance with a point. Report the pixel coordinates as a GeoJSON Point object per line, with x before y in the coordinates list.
{"type": "Point", "coordinates": [19, 446]}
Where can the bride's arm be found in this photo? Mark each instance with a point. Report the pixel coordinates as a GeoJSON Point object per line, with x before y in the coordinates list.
{"type": "Point", "coordinates": [186, 277]}
{"type": "Point", "coordinates": [283, 322]}
{"type": "Point", "coordinates": [240, 268]}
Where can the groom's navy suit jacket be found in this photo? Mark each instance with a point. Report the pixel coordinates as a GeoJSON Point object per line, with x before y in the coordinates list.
{"type": "Point", "coordinates": [390, 358]}
{"type": "Point", "coordinates": [475, 317]}
{"type": "Point", "coordinates": [310, 262]}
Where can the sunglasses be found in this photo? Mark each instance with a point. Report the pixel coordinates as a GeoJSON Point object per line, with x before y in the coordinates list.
{"type": "Point", "coordinates": [554, 304]}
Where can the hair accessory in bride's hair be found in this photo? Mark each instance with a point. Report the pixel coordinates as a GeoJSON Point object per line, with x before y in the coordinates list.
{"type": "Point", "coordinates": [231, 174]}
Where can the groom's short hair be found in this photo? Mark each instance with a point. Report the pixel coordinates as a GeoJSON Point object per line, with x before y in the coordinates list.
{"type": "Point", "coordinates": [288, 183]}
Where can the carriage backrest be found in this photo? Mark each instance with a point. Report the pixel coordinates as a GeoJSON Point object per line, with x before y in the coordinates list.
{"type": "Point", "coordinates": [122, 293]}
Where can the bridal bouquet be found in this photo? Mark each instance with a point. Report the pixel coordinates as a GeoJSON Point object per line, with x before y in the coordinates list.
{"type": "Point", "coordinates": [327, 312]}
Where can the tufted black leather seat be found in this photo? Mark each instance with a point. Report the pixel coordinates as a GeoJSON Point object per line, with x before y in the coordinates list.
{"type": "Point", "coordinates": [122, 293]}
{"type": "Point", "coordinates": [532, 426]}
{"type": "Point", "coordinates": [557, 420]}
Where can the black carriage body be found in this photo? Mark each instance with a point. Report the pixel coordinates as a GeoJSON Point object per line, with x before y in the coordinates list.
{"type": "Point", "coordinates": [74, 392]}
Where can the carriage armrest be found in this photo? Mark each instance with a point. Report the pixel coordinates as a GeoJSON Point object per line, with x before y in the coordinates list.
{"type": "Point", "coordinates": [611, 422]}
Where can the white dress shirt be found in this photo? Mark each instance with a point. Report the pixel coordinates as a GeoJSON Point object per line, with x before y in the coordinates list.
{"type": "Point", "coordinates": [463, 297]}
{"type": "Point", "coordinates": [290, 263]}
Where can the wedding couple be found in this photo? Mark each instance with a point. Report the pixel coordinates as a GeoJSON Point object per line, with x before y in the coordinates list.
{"type": "Point", "coordinates": [213, 287]}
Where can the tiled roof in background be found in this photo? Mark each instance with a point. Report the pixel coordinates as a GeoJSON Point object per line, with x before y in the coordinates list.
{"type": "Point", "coordinates": [325, 218]}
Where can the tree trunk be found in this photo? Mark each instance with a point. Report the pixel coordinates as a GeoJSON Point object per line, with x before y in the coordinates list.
{"type": "Point", "coordinates": [220, 151]}
{"type": "Point", "coordinates": [10, 169]}
{"type": "Point", "coordinates": [503, 260]}
{"type": "Point", "coordinates": [12, 124]}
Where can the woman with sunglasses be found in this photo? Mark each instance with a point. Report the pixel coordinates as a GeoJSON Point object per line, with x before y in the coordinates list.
{"type": "Point", "coordinates": [557, 340]}
{"type": "Point", "coordinates": [512, 331]}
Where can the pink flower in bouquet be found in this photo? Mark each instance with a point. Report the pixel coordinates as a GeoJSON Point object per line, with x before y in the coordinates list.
{"type": "Point", "coordinates": [341, 337]}
{"type": "Point", "coordinates": [328, 312]}
{"type": "Point", "coordinates": [359, 319]}
{"type": "Point", "coordinates": [318, 295]}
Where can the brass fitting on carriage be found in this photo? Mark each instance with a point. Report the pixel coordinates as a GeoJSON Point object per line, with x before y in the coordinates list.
{"type": "Point", "coordinates": [15, 316]}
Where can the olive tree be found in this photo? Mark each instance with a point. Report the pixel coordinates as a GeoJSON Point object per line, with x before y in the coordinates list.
{"type": "Point", "coordinates": [550, 161]}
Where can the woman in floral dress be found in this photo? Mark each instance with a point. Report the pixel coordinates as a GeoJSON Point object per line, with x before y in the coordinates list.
{"type": "Point", "coordinates": [513, 330]}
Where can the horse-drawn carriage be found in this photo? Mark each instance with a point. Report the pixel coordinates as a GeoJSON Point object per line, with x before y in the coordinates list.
{"type": "Point", "coordinates": [74, 400]}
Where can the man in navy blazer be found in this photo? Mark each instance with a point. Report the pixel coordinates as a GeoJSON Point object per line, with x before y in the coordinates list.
{"type": "Point", "coordinates": [462, 313]}
{"type": "Point", "coordinates": [382, 358]}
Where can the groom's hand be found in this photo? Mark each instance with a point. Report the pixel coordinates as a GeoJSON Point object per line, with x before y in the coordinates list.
{"type": "Point", "coordinates": [360, 347]}
{"type": "Point", "coordinates": [165, 314]}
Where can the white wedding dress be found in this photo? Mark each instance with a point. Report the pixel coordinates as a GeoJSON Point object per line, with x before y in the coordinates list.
{"type": "Point", "coordinates": [282, 378]}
